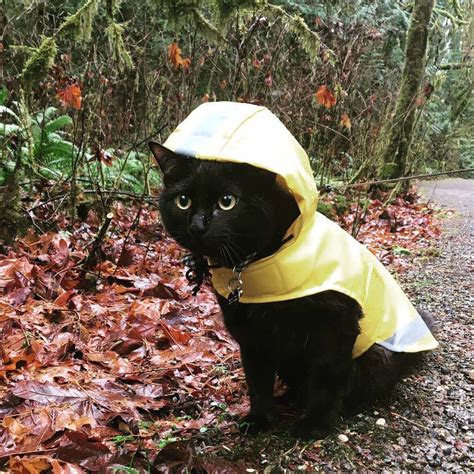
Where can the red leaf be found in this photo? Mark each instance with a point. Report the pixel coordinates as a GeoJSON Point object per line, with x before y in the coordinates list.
{"type": "Point", "coordinates": [160, 290]}
{"type": "Point", "coordinates": [70, 96]}
{"type": "Point", "coordinates": [174, 55]}
{"type": "Point", "coordinates": [81, 448]}
{"type": "Point", "coordinates": [325, 97]}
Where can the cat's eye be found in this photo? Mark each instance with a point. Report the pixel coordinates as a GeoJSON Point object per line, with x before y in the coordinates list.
{"type": "Point", "coordinates": [183, 201]}
{"type": "Point", "coordinates": [227, 202]}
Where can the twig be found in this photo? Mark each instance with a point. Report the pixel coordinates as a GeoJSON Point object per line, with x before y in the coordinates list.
{"type": "Point", "coordinates": [24, 453]}
{"type": "Point", "coordinates": [404, 178]}
{"type": "Point", "coordinates": [134, 224]}
{"type": "Point", "coordinates": [92, 257]}
{"type": "Point", "coordinates": [409, 421]}
{"type": "Point", "coordinates": [149, 199]}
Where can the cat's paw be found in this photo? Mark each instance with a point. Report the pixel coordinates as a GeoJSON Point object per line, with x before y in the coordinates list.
{"type": "Point", "coordinates": [253, 424]}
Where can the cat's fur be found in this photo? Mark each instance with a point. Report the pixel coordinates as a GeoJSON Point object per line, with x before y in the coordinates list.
{"type": "Point", "coordinates": [307, 341]}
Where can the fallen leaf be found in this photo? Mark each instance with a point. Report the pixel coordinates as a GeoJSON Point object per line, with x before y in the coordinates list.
{"type": "Point", "coordinates": [47, 393]}
{"type": "Point", "coordinates": [81, 447]}
{"type": "Point", "coordinates": [16, 429]}
{"type": "Point", "coordinates": [34, 465]}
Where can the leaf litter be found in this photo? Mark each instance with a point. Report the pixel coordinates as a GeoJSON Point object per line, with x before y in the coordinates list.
{"type": "Point", "coordinates": [120, 366]}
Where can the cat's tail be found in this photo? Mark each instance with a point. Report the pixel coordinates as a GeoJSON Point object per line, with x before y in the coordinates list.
{"type": "Point", "coordinates": [429, 321]}
{"type": "Point", "coordinates": [377, 370]}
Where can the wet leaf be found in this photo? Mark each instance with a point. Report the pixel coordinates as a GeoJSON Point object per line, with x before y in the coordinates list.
{"type": "Point", "coordinates": [174, 55]}
{"type": "Point", "coordinates": [325, 97]}
{"type": "Point", "coordinates": [71, 96]}
{"type": "Point", "coordinates": [47, 393]}
{"type": "Point", "coordinates": [346, 121]}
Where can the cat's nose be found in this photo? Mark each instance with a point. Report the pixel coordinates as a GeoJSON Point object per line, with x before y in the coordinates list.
{"type": "Point", "coordinates": [198, 225]}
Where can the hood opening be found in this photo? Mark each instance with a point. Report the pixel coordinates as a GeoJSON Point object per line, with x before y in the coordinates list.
{"type": "Point", "coordinates": [246, 133]}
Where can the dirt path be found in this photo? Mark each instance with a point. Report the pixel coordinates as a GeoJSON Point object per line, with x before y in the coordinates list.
{"type": "Point", "coordinates": [425, 425]}
{"type": "Point", "coordinates": [444, 286]}
{"type": "Point", "coordinates": [455, 193]}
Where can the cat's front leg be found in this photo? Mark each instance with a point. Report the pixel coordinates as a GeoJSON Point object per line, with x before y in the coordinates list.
{"type": "Point", "coordinates": [326, 386]}
{"type": "Point", "coordinates": [260, 376]}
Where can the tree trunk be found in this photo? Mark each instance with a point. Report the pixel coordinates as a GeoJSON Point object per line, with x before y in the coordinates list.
{"type": "Point", "coordinates": [397, 132]}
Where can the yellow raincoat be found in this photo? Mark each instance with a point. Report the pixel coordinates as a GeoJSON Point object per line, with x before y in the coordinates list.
{"type": "Point", "coordinates": [320, 255]}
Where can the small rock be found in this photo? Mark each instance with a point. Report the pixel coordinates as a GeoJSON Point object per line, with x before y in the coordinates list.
{"type": "Point", "coordinates": [380, 422]}
{"type": "Point", "coordinates": [343, 438]}
{"type": "Point", "coordinates": [447, 450]}
{"type": "Point", "coordinates": [402, 441]}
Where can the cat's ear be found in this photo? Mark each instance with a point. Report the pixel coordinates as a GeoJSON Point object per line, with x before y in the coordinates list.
{"type": "Point", "coordinates": [172, 165]}
{"type": "Point", "coordinates": [163, 156]}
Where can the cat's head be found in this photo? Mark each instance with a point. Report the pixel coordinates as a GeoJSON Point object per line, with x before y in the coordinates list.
{"type": "Point", "coordinates": [225, 211]}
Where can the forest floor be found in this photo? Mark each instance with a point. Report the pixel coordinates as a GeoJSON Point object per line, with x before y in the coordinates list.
{"type": "Point", "coordinates": [119, 369]}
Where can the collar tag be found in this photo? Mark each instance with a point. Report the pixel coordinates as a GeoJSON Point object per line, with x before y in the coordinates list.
{"type": "Point", "coordinates": [235, 285]}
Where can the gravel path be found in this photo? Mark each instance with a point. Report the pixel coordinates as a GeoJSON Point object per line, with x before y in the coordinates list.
{"type": "Point", "coordinates": [444, 286]}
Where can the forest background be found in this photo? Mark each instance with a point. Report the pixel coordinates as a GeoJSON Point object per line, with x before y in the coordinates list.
{"type": "Point", "coordinates": [85, 85]}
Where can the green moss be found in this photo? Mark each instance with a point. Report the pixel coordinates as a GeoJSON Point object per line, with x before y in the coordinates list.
{"type": "Point", "coordinates": [38, 64]}
{"type": "Point", "coordinates": [121, 56]}
{"type": "Point", "coordinates": [80, 23]}
{"type": "Point", "coordinates": [341, 204]}
{"type": "Point", "coordinates": [395, 138]}
{"type": "Point", "coordinates": [325, 209]}
{"type": "Point", "coordinates": [388, 170]}
{"type": "Point", "coordinates": [307, 38]}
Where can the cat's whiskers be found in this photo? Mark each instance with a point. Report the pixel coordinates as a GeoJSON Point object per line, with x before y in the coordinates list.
{"type": "Point", "coordinates": [228, 254]}
{"type": "Point", "coordinates": [231, 252]}
{"type": "Point", "coordinates": [220, 249]}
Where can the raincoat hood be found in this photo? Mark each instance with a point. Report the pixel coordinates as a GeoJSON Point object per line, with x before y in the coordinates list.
{"type": "Point", "coordinates": [318, 255]}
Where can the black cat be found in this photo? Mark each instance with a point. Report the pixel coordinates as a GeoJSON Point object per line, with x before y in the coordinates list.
{"type": "Point", "coordinates": [230, 211]}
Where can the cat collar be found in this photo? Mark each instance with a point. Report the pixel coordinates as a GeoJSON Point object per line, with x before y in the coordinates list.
{"type": "Point", "coordinates": [198, 269]}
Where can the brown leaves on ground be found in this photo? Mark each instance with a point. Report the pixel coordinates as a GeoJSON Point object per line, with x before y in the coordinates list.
{"type": "Point", "coordinates": [95, 368]}
{"type": "Point", "coordinates": [116, 367]}
{"type": "Point", "coordinates": [397, 234]}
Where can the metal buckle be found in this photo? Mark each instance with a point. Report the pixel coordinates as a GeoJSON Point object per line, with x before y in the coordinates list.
{"type": "Point", "coordinates": [235, 285]}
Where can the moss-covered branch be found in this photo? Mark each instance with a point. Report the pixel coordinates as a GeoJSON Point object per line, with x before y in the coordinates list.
{"type": "Point", "coordinates": [42, 58]}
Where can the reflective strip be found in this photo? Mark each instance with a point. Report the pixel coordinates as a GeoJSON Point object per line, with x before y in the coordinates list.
{"type": "Point", "coordinates": [406, 336]}
{"type": "Point", "coordinates": [208, 128]}
{"type": "Point", "coordinates": [192, 146]}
